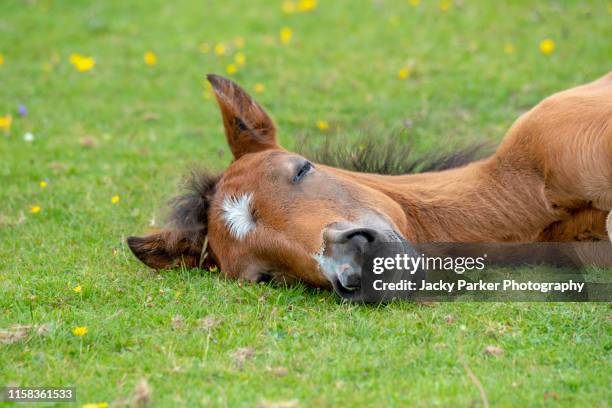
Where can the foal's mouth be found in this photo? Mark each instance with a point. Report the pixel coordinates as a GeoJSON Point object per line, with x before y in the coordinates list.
{"type": "Point", "coordinates": [348, 251]}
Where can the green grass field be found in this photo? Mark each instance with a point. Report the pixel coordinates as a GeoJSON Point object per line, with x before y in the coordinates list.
{"type": "Point", "coordinates": [128, 129]}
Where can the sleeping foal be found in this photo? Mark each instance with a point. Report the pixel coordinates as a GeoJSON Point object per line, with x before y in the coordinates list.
{"type": "Point", "coordinates": [275, 215]}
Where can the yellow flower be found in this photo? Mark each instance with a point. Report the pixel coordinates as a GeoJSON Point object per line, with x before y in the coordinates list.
{"type": "Point", "coordinates": [240, 58]}
{"type": "Point", "coordinates": [259, 87]}
{"type": "Point", "coordinates": [115, 199]}
{"type": "Point", "coordinates": [77, 289]}
{"type": "Point", "coordinates": [1, 59]}
{"type": "Point", "coordinates": [35, 209]}
{"type": "Point", "coordinates": [43, 184]}
{"type": "Point", "coordinates": [322, 124]}
{"type": "Point", "coordinates": [85, 64]}
{"type": "Point", "coordinates": [79, 331]}
{"type": "Point", "coordinates": [444, 5]}
{"type": "Point", "coordinates": [403, 73]}
{"type": "Point", "coordinates": [288, 7]}
{"type": "Point", "coordinates": [285, 35]}
{"type": "Point", "coordinates": [95, 405]}
{"type": "Point", "coordinates": [508, 48]}
{"type": "Point", "coordinates": [5, 122]}
{"type": "Point", "coordinates": [150, 58]}
{"type": "Point", "coordinates": [231, 68]}
{"type": "Point", "coordinates": [307, 5]}
{"type": "Point", "coordinates": [547, 46]}
{"type": "Point", "coordinates": [81, 62]}
{"type": "Point", "coordinates": [204, 48]}
{"type": "Point", "coordinates": [414, 3]}
{"type": "Point", "coordinates": [239, 42]}
{"type": "Point", "coordinates": [220, 49]}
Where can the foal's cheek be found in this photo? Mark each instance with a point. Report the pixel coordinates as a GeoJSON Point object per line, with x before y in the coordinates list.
{"type": "Point", "coordinates": [311, 274]}
{"type": "Point", "coordinates": [250, 273]}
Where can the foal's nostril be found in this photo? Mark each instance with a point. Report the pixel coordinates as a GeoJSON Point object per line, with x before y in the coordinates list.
{"type": "Point", "coordinates": [365, 233]}
{"type": "Point", "coordinates": [360, 242]}
{"type": "Point", "coordinates": [357, 239]}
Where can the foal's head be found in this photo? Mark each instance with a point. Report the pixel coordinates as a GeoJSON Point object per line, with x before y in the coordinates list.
{"type": "Point", "coordinates": [272, 214]}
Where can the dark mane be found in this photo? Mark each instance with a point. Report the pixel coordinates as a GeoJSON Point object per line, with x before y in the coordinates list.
{"type": "Point", "coordinates": [183, 241]}
{"type": "Point", "coordinates": [389, 156]}
{"type": "Point", "coordinates": [188, 218]}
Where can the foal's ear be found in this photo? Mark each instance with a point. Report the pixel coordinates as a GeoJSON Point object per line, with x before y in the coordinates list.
{"type": "Point", "coordinates": [248, 127]}
{"type": "Point", "coordinates": [164, 250]}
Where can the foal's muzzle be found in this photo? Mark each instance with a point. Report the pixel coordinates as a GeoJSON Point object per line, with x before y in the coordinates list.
{"type": "Point", "coordinates": [349, 254]}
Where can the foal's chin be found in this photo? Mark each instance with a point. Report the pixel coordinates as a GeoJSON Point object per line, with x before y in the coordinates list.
{"type": "Point", "coordinates": [348, 248]}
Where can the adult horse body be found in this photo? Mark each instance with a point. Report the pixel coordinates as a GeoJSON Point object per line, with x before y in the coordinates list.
{"type": "Point", "coordinates": [274, 215]}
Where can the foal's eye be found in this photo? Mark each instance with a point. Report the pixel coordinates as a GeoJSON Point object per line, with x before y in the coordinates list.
{"type": "Point", "coordinates": [302, 172]}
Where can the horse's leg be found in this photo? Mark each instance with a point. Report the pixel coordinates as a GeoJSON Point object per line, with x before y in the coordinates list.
{"type": "Point", "coordinates": [586, 225]}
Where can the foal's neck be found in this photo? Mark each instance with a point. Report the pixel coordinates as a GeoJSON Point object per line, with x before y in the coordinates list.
{"type": "Point", "coordinates": [488, 200]}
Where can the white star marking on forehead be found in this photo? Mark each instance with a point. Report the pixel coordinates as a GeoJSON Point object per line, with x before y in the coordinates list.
{"type": "Point", "coordinates": [237, 214]}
